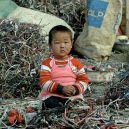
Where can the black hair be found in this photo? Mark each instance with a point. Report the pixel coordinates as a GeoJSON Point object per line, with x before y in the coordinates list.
{"type": "Point", "coordinates": [58, 28]}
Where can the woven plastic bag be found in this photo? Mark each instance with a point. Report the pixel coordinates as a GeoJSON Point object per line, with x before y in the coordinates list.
{"type": "Point", "coordinates": [99, 33]}
{"type": "Point", "coordinates": [10, 10]}
{"type": "Point", "coordinates": [6, 7]}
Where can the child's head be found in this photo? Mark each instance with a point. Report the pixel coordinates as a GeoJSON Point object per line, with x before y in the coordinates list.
{"type": "Point", "coordinates": [60, 41]}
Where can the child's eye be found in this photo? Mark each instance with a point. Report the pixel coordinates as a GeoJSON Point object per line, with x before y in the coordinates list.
{"type": "Point", "coordinates": [57, 42]}
{"type": "Point", "coordinates": [66, 42]}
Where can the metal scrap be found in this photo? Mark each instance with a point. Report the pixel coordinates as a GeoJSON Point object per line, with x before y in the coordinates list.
{"type": "Point", "coordinates": [21, 49]}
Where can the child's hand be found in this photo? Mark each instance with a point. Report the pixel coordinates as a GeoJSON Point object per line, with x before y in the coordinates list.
{"type": "Point", "coordinates": [69, 90]}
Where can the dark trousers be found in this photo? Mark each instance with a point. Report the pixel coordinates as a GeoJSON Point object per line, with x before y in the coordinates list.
{"type": "Point", "coordinates": [53, 102]}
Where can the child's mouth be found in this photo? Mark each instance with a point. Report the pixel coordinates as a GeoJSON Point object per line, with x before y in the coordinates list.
{"type": "Point", "coordinates": [62, 50]}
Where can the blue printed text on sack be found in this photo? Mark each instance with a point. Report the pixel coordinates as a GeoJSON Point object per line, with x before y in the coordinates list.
{"type": "Point", "coordinates": [96, 12]}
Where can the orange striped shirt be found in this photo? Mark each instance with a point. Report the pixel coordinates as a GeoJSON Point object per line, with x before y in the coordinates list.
{"type": "Point", "coordinates": [46, 82]}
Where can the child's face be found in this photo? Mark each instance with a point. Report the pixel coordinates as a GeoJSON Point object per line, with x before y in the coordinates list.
{"type": "Point", "coordinates": [61, 44]}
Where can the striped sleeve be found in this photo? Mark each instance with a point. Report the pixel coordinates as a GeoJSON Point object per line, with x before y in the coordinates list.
{"type": "Point", "coordinates": [45, 80]}
{"type": "Point", "coordinates": [82, 79]}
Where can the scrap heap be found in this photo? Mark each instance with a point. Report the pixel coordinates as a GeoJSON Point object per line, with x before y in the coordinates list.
{"type": "Point", "coordinates": [21, 49]}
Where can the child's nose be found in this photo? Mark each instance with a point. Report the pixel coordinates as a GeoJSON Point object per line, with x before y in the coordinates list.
{"type": "Point", "coordinates": [62, 44]}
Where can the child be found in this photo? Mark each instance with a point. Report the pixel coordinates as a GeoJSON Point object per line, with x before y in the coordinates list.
{"type": "Point", "coordinates": [61, 75]}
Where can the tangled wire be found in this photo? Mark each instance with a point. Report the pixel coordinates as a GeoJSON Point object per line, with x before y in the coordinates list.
{"type": "Point", "coordinates": [21, 50]}
{"type": "Point", "coordinates": [71, 11]}
{"type": "Point", "coordinates": [119, 91]}
{"type": "Point", "coordinates": [76, 114]}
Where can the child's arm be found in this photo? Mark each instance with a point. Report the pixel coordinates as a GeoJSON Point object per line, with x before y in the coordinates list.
{"type": "Point", "coordinates": [82, 79]}
{"type": "Point", "coordinates": [45, 80]}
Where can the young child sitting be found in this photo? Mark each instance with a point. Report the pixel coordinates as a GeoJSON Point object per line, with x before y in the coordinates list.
{"type": "Point", "coordinates": [61, 76]}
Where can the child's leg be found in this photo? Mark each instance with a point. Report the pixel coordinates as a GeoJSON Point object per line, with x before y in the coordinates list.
{"type": "Point", "coordinates": [53, 102]}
